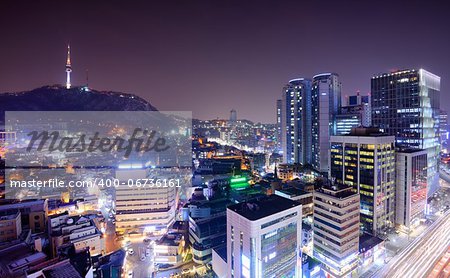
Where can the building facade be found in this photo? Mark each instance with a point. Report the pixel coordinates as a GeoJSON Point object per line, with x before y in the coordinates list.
{"type": "Point", "coordinates": [443, 126]}
{"type": "Point", "coordinates": [406, 104]}
{"type": "Point", "coordinates": [365, 160]}
{"type": "Point", "coordinates": [411, 195]}
{"type": "Point", "coordinates": [326, 102]}
{"type": "Point", "coordinates": [143, 209]}
{"type": "Point", "coordinates": [264, 238]}
{"type": "Point", "coordinates": [336, 230]}
{"type": "Point", "coordinates": [296, 121]}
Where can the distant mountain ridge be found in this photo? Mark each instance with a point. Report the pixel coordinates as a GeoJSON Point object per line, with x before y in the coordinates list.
{"type": "Point", "coordinates": [58, 98]}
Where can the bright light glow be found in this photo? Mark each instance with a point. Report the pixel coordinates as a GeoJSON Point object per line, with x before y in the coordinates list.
{"type": "Point", "coordinates": [245, 261]}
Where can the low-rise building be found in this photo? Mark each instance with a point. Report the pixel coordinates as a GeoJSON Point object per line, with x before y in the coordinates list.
{"type": "Point", "coordinates": [80, 231]}
{"type": "Point", "coordinates": [168, 249]}
{"type": "Point", "coordinates": [10, 226]}
{"type": "Point", "coordinates": [298, 195]}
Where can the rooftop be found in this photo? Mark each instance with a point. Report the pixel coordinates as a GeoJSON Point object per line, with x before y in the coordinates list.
{"type": "Point", "coordinates": [293, 191]}
{"type": "Point", "coordinates": [255, 209]}
{"type": "Point", "coordinates": [367, 242]}
{"type": "Point", "coordinates": [339, 191]}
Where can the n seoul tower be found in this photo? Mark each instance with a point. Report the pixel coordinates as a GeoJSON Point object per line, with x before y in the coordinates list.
{"type": "Point", "coordinates": [68, 67]}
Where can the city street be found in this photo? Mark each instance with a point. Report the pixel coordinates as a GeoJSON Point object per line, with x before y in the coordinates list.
{"type": "Point", "coordinates": [419, 257]}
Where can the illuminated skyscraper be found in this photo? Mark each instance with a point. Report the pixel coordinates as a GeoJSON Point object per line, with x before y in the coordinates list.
{"type": "Point", "coordinates": [406, 104]}
{"type": "Point", "coordinates": [365, 160]}
{"type": "Point", "coordinates": [326, 102]}
{"type": "Point", "coordinates": [68, 68]}
{"type": "Point", "coordinates": [443, 126]}
{"type": "Point", "coordinates": [278, 116]}
{"type": "Point", "coordinates": [296, 121]}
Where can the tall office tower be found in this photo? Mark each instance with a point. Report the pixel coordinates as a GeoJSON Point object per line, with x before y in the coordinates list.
{"type": "Point", "coordinates": [278, 117]}
{"type": "Point", "coordinates": [365, 160]}
{"type": "Point", "coordinates": [326, 101]}
{"type": "Point", "coordinates": [264, 238]}
{"type": "Point", "coordinates": [406, 104]}
{"type": "Point", "coordinates": [411, 195]}
{"type": "Point", "coordinates": [336, 229]}
{"type": "Point", "coordinates": [443, 126]}
{"type": "Point", "coordinates": [143, 209]}
{"type": "Point", "coordinates": [296, 121]}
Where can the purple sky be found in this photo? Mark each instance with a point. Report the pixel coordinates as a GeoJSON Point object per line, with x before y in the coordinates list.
{"type": "Point", "coordinates": [212, 56]}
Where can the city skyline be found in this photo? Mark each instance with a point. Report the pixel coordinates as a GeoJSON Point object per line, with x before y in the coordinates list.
{"type": "Point", "coordinates": [236, 54]}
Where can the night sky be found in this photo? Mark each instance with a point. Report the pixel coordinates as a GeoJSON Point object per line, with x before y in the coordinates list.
{"type": "Point", "coordinates": [212, 56]}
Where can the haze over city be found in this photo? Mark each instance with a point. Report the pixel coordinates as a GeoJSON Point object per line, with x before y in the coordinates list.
{"type": "Point", "coordinates": [211, 57]}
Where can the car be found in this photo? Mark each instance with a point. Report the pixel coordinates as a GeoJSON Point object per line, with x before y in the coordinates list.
{"type": "Point", "coordinates": [131, 252]}
{"type": "Point", "coordinates": [147, 252]}
{"type": "Point", "coordinates": [147, 240]}
{"type": "Point", "coordinates": [185, 271]}
{"type": "Point", "coordinates": [142, 257]}
{"type": "Point", "coordinates": [130, 273]}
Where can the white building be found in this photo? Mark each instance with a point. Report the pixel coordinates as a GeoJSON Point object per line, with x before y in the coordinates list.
{"type": "Point", "coordinates": [411, 195]}
{"type": "Point", "coordinates": [143, 209]}
{"type": "Point", "coordinates": [336, 230]}
{"type": "Point", "coordinates": [264, 238]}
{"type": "Point", "coordinates": [80, 231]}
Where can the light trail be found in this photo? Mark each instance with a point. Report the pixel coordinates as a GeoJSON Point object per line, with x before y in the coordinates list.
{"type": "Point", "coordinates": [419, 257]}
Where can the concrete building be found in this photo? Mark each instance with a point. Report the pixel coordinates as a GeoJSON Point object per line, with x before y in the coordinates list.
{"type": "Point", "coordinates": [411, 195]}
{"type": "Point", "coordinates": [302, 197]}
{"type": "Point", "coordinates": [405, 104]}
{"type": "Point", "coordinates": [326, 101]}
{"type": "Point", "coordinates": [79, 231]}
{"type": "Point", "coordinates": [168, 249]}
{"type": "Point", "coordinates": [143, 209]}
{"type": "Point", "coordinates": [207, 228]}
{"type": "Point", "coordinates": [336, 230]}
{"type": "Point", "coordinates": [264, 238]}
{"type": "Point", "coordinates": [33, 213]}
{"type": "Point", "coordinates": [365, 160]}
{"type": "Point", "coordinates": [10, 226]}
{"type": "Point", "coordinates": [16, 259]}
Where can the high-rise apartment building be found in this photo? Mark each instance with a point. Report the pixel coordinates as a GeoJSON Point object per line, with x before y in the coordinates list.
{"type": "Point", "coordinates": [411, 195]}
{"type": "Point", "coordinates": [264, 238]}
{"type": "Point", "coordinates": [406, 104]}
{"type": "Point", "coordinates": [278, 117]}
{"type": "Point", "coordinates": [365, 160]}
{"type": "Point", "coordinates": [336, 229]}
{"type": "Point", "coordinates": [326, 102]}
{"type": "Point", "coordinates": [296, 121]}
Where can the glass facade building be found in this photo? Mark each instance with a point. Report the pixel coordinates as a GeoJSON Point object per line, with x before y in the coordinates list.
{"type": "Point", "coordinates": [326, 102]}
{"type": "Point", "coordinates": [406, 104]}
{"type": "Point", "coordinates": [365, 160]}
{"type": "Point", "coordinates": [296, 121]}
